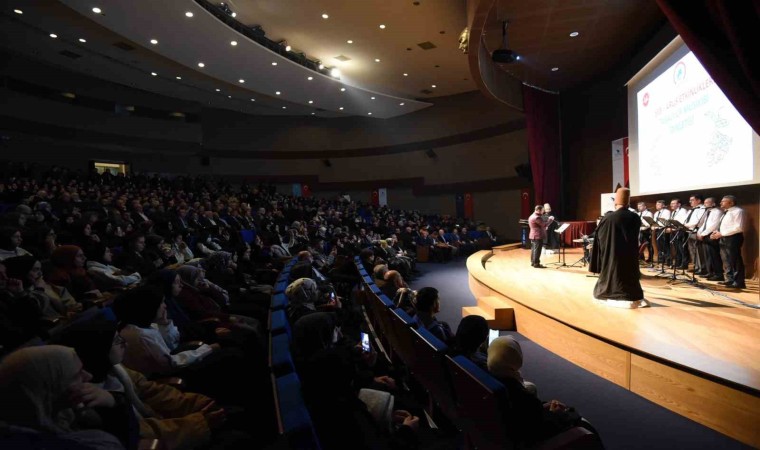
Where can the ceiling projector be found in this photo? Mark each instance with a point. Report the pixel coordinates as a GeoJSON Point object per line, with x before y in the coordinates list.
{"type": "Point", "coordinates": [504, 55]}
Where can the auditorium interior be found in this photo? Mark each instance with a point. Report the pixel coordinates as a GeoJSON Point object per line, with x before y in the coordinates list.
{"type": "Point", "coordinates": [286, 224]}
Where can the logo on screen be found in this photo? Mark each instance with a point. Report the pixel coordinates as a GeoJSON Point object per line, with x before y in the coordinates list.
{"type": "Point", "coordinates": [679, 72]}
{"type": "Point", "coordinates": [645, 100]}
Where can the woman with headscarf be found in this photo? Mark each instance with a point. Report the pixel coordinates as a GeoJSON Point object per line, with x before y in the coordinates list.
{"type": "Point", "coordinates": [69, 272]}
{"type": "Point", "coordinates": [45, 389]}
{"type": "Point", "coordinates": [178, 420]}
{"type": "Point", "coordinates": [157, 251]}
{"type": "Point", "coordinates": [10, 240]}
{"type": "Point", "coordinates": [530, 420]}
{"type": "Point", "coordinates": [50, 303]}
{"type": "Point", "coordinates": [472, 340]}
{"type": "Point", "coordinates": [103, 274]}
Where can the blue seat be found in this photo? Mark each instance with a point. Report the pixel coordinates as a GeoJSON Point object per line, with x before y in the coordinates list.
{"type": "Point", "coordinates": [280, 286]}
{"type": "Point", "coordinates": [248, 236]}
{"type": "Point", "coordinates": [367, 279]}
{"type": "Point", "coordinates": [376, 290]}
{"type": "Point", "coordinates": [279, 301]}
{"type": "Point", "coordinates": [293, 417]}
{"type": "Point", "coordinates": [388, 302]}
{"type": "Point", "coordinates": [429, 369]}
{"type": "Point", "coordinates": [278, 322]}
{"type": "Point", "coordinates": [280, 359]}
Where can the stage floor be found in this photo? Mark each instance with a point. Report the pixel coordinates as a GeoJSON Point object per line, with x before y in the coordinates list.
{"type": "Point", "coordinates": [707, 329]}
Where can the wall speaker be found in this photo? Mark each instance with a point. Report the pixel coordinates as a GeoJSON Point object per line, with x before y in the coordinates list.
{"type": "Point", "coordinates": [430, 153]}
{"type": "Point", "coordinates": [327, 163]}
{"type": "Point", "coordinates": [205, 161]}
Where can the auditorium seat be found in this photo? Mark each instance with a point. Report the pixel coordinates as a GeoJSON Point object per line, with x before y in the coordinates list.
{"type": "Point", "coordinates": [279, 301]}
{"type": "Point", "coordinates": [278, 322]}
{"type": "Point", "coordinates": [280, 359]}
{"type": "Point", "coordinates": [429, 369]}
{"type": "Point", "coordinates": [400, 327]}
{"type": "Point", "coordinates": [293, 419]}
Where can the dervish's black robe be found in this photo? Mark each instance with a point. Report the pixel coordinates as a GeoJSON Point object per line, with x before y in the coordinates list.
{"type": "Point", "coordinates": [615, 256]}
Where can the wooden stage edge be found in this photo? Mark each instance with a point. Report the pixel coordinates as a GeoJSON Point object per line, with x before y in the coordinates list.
{"type": "Point", "coordinates": [695, 352]}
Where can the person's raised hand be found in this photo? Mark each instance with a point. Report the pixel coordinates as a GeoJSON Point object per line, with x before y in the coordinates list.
{"type": "Point", "coordinates": [91, 396]}
{"type": "Point", "coordinates": [387, 381]}
{"type": "Point", "coordinates": [399, 415]}
{"type": "Point", "coordinates": [412, 422]}
{"type": "Point", "coordinates": [215, 415]}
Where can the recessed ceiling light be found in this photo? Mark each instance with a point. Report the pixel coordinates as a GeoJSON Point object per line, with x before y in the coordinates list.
{"type": "Point", "coordinates": [241, 81]}
{"type": "Point", "coordinates": [372, 98]}
{"type": "Point", "coordinates": [382, 27]}
{"type": "Point", "coordinates": [188, 14]}
{"type": "Point", "coordinates": [554, 69]}
{"type": "Point", "coordinates": [53, 35]}
{"type": "Point", "coordinates": [574, 34]}
{"type": "Point", "coordinates": [313, 114]}
{"type": "Point", "coordinates": [433, 86]}
{"type": "Point", "coordinates": [274, 63]}
{"type": "Point", "coordinates": [341, 108]}
{"type": "Point", "coordinates": [401, 104]}
{"type": "Point", "coordinates": [325, 16]}
{"type": "Point", "coordinates": [309, 78]}
{"type": "Point", "coordinates": [18, 11]}
{"type": "Point", "coordinates": [229, 96]}
{"type": "Point", "coordinates": [335, 73]}
{"type": "Point", "coordinates": [153, 73]}
{"type": "Point", "coordinates": [201, 65]}
{"type": "Point", "coordinates": [321, 66]}
{"type": "Point", "coordinates": [233, 43]}
{"type": "Point", "coordinates": [97, 10]}
{"type": "Point", "coordinates": [82, 40]}
{"type": "Point", "coordinates": [311, 101]}
{"type": "Point", "coordinates": [253, 99]}
{"type": "Point", "coordinates": [277, 93]}
{"type": "Point", "coordinates": [349, 41]}
{"type": "Point", "coordinates": [377, 60]}
{"type": "Point", "coordinates": [343, 89]}
{"type": "Point", "coordinates": [179, 78]}
{"type": "Point", "coordinates": [284, 107]}
{"type": "Point", "coordinates": [218, 90]}
{"type": "Point", "coordinates": [154, 41]}
{"type": "Point", "coordinates": [369, 113]}
{"type": "Point", "coordinates": [406, 74]}
{"type": "Point", "coordinates": [288, 48]}
{"type": "Point", "coordinates": [234, 14]}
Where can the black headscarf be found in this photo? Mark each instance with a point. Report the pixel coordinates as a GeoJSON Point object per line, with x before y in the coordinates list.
{"type": "Point", "coordinates": [312, 333]}
{"type": "Point", "coordinates": [5, 237]}
{"type": "Point", "coordinates": [18, 267]}
{"type": "Point", "coordinates": [92, 340]}
{"type": "Point", "coordinates": [138, 306]}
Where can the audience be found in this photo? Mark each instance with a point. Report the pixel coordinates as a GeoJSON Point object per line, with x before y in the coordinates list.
{"type": "Point", "coordinates": [427, 306]}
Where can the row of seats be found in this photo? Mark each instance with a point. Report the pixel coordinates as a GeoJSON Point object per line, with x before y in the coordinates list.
{"type": "Point", "coordinates": [468, 396]}
{"type": "Point", "coordinates": [293, 418]}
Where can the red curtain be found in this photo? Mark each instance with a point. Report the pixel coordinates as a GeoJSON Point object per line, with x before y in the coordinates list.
{"type": "Point", "coordinates": [542, 120]}
{"type": "Point", "coordinates": [722, 35]}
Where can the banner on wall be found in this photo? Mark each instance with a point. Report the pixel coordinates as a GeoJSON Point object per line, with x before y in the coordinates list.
{"type": "Point", "coordinates": [375, 198]}
{"type": "Point", "coordinates": [468, 206]}
{"type": "Point", "coordinates": [525, 206]}
{"type": "Point", "coordinates": [607, 203]}
{"type": "Point", "coordinates": [306, 190]}
{"type": "Point", "coordinates": [297, 192]}
{"type": "Point", "coordinates": [382, 197]}
{"type": "Point", "coordinates": [620, 163]}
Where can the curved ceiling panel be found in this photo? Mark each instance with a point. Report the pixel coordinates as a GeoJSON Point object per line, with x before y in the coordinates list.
{"type": "Point", "coordinates": [203, 39]}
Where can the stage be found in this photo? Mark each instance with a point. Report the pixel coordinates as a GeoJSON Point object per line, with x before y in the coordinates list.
{"type": "Point", "coordinates": [695, 351]}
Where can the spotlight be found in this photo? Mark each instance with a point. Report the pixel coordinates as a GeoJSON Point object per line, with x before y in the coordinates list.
{"type": "Point", "coordinates": [233, 43]}
{"type": "Point", "coordinates": [97, 10]}
{"type": "Point", "coordinates": [335, 73]}
{"type": "Point", "coordinates": [288, 48]}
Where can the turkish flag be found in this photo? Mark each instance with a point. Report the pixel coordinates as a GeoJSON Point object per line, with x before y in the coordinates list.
{"type": "Point", "coordinates": [468, 206]}
{"type": "Point", "coordinates": [525, 209]}
{"type": "Point", "coordinates": [375, 198]}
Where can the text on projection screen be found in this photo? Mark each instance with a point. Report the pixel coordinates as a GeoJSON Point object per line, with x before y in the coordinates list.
{"type": "Point", "coordinates": [689, 134]}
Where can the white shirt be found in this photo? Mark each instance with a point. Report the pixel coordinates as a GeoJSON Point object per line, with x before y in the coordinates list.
{"type": "Point", "coordinates": [680, 215]}
{"type": "Point", "coordinates": [106, 277]}
{"type": "Point", "coordinates": [712, 218]}
{"type": "Point", "coordinates": [694, 216]}
{"type": "Point", "coordinates": [663, 214]}
{"type": "Point", "coordinates": [642, 214]}
{"type": "Point", "coordinates": [149, 349]}
{"type": "Point", "coordinates": [733, 223]}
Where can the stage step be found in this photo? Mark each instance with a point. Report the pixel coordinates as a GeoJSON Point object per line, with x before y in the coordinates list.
{"type": "Point", "coordinates": [503, 314]}
{"type": "Point", "coordinates": [475, 311]}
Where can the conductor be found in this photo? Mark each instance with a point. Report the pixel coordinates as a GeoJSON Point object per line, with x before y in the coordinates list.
{"type": "Point", "coordinates": [537, 235]}
{"type": "Point", "coordinates": [615, 256]}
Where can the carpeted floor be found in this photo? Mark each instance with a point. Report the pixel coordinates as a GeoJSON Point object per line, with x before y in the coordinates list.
{"type": "Point", "coordinates": [624, 420]}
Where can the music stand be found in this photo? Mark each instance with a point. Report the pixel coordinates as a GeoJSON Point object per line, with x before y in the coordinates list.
{"type": "Point", "coordinates": [561, 256]}
{"type": "Point", "coordinates": [663, 224]}
{"type": "Point", "coordinates": [679, 228]}
{"type": "Point", "coordinates": [650, 222]}
{"type": "Point", "coordinates": [585, 241]}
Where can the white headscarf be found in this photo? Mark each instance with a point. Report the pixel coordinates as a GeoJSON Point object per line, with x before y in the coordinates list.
{"type": "Point", "coordinates": [32, 381]}
{"type": "Point", "coordinates": [505, 358]}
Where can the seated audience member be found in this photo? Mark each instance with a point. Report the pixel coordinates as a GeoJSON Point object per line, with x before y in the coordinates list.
{"type": "Point", "coordinates": [180, 250]}
{"type": "Point", "coordinates": [328, 377]}
{"type": "Point", "coordinates": [406, 299]}
{"type": "Point", "coordinates": [48, 301]}
{"type": "Point", "coordinates": [69, 272]}
{"type": "Point", "coordinates": [428, 305]}
{"type": "Point", "coordinates": [530, 419]}
{"type": "Point", "coordinates": [304, 297]}
{"type": "Point", "coordinates": [132, 258]}
{"type": "Point", "coordinates": [393, 281]}
{"type": "Point", "coordinates": [158, 251]}
{"type": "Point", "coordinates": [303, 268]}
{"type": "Point", "coordinates": [46, 390]}
{"type": "Point", "coordinates": [19, 319]}
{"type": "Point", "coordinates": [10, 240]}
{"type": "Point", "coordinates": [106, 276]}
{"type": "Point", "coordinates": [177, 419]}
{"type": "Point", "coordinates": [472, 340]}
